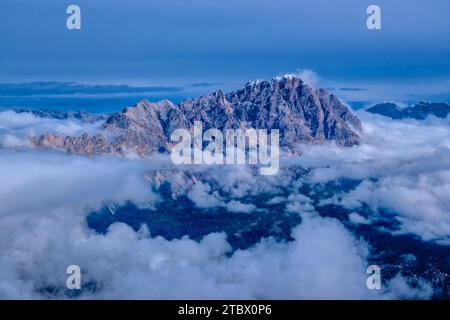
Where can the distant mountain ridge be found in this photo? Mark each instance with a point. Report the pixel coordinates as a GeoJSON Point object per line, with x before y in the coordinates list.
{"type": "Point", "coordinates": [63, 115]}
{"type": "Point", "coordinates": [419, 111]}
{"type": "Point", "coordinates": [300, 113]}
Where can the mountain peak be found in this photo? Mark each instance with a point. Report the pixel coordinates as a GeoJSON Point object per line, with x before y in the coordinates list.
{"type": "Point", "coordinates": [419, 111]}
{"type": "Point", "coordinates": [300, 113]}
{"type": "Point", "coordinates": [286, 77]}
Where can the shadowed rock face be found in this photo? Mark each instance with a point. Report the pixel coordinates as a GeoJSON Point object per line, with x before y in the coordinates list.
{"type": "Point", "coordinates": [419, 111]}
{"type": "Point", "coordinates": [301, 114]}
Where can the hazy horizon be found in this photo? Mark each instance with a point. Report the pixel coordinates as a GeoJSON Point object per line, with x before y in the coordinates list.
{"type": "Point", "coordinates": [176, 50]}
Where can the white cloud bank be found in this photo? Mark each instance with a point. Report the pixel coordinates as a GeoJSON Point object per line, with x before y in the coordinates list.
{"type": "Point", "coordinates": [404, 166]}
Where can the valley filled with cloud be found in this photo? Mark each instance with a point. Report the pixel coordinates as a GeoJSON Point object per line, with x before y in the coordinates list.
{"type": "Point", "coordinates": [333, 211]}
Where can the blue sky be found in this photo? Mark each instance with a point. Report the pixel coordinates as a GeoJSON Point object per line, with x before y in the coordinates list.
{"type": "Point", "coordinates": [220, 43]}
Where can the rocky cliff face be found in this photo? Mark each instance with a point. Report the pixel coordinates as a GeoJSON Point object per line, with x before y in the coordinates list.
{"type": "Point", "coordinates": [300, 113]}
{"type": "Point", "coordinates": [419, 111]}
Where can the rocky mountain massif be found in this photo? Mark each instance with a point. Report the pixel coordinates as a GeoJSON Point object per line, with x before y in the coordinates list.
{"type": "Point", "coordinates": [300, 113]}
{"type": "Point", "coordinates": [419, 111]}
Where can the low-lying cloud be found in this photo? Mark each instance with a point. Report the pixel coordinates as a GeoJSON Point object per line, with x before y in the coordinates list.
{"type": "Point", "coordinates": [404, 166]}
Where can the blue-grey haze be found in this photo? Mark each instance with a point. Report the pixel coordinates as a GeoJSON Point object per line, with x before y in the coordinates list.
{"type": "Point", "coordinates": [178, 43]}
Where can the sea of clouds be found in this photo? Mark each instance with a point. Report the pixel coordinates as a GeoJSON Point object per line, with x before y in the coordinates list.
{"type": "Point", "coordinates": [46, 195]}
